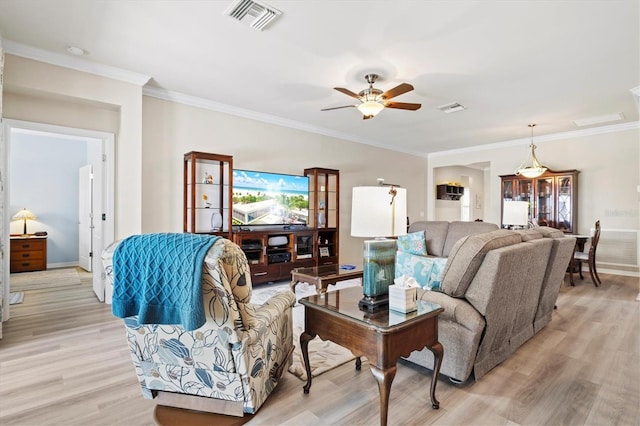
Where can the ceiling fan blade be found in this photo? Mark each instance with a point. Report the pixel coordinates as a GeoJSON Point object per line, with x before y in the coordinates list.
{"type": "Point", "coordinates": [398, 90]}
{"type": "Point", "coordinates": [347, 92]}
{"type": "Point", "coordinates": [345, 106]}
{"type": "Point", "coordinates": [402, 105]}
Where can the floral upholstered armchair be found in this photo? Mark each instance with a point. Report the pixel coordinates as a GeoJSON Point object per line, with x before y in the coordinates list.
{"type": "Point", "coordinates": [230, 364]}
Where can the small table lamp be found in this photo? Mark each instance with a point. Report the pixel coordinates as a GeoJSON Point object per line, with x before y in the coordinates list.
{"type": "Point", "coordinates": [515, 213]}
{"type": "Point", "coordinates": [378, 211]}
{"type": "Point", "coordinates": [24, 214]}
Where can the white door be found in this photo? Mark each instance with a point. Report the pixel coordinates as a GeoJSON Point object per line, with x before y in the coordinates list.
{"type": "Point", "coordinates": [85, 218]}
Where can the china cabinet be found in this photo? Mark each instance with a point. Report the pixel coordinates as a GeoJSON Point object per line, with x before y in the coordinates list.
{"type": "Point", "coordinates": [552, 197]}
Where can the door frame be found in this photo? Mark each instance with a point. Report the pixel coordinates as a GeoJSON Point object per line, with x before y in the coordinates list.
{"type": "Point", "coordinates": [104, 231]}
{"type": "Point", "coordinates": [85, 217]}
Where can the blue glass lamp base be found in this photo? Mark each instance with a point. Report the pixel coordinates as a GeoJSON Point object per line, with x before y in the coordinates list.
{"type": "Point", "coordinates": [378, 273]}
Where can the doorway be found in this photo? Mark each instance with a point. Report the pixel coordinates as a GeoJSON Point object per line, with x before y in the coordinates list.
{"type": "Point", "coordinates": [98, 150]}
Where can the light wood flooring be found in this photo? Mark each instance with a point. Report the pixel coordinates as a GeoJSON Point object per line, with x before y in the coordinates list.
{"type": "Point", "coordinates": [64, 361]}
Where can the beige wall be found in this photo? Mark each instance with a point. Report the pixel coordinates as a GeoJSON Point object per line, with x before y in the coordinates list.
{"type": "Point", "coordinates": [608, 180]}
{"type": "Point", "coordinates": [170, 130]}
{"type": "Point", "coordinates": [77, 99]}
{"type": "Point", "coordinates": [472, 178]}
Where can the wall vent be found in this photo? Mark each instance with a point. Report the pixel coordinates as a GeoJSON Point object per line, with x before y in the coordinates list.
{"type": "Point", "coordinates": [618, 247]}
{"type": "Point", "coordinates": [607, 118]}
{"type": "Point", "coordinates": [452, 107]}
{"type": "Point", "coordinates": [258, 14]}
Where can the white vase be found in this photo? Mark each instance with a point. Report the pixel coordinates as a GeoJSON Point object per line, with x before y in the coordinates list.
{"type": "Point", "coordinates": [216, 221]}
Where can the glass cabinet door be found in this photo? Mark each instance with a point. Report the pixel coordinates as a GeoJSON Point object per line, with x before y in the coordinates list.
{"type": "Point", "coordinates": [507, 190]}
{"type": "Point", "coordinates": [544, 213]}
{"type": "Point", "coordinates": [565, 204]}
{"type": "Point", "coordinates": [524, 192]}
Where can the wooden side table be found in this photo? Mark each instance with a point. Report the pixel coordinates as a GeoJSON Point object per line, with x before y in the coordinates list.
{"type": "Point", "coordinates": [28, 253]}
{"type": "Point", "coordinates": [383, 337]}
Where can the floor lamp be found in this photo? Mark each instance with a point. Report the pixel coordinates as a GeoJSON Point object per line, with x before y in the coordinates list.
{"type": "Point", "coordinates": [378, 212]}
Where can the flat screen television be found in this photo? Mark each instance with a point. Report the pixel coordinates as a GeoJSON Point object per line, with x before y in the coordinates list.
{"type": "Point", "coordinates": [261, 198]}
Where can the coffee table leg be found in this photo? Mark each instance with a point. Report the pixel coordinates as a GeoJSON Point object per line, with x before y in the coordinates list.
{"type": "Point", "coordinates": [384, 379]}
{"type": "Point", "coordinates": [294, 283]}
{"type": "Point", "coordinates": [358, 364]}
{"type": "Point", "coordinates": [438, 353]}
{"type": "Point", "coordinates": [304, 345]}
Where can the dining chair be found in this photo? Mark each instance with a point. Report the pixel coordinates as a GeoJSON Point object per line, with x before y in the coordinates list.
{"type": "Point", "coordinates": [588, 257]}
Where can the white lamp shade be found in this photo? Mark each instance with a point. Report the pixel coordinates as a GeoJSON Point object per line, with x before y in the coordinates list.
{"type": "Point", "coordinates": [24, 214]}
{"type": "Point", "coordinates": [374, 215]}
{"type": "Point", "coordinates": [515, 213]}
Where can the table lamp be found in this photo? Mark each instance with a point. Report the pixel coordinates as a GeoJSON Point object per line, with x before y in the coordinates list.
{"type": "Point", "coordinates": [379, 212]}
{"type": "Point", "coordinates": [515, 214]}
{"type": "Point", "coordinates": [24, 214]}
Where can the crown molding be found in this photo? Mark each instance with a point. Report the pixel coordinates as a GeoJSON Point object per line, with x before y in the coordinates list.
{"type": "Point", "coordinates": [72, 62]}
{"type": "Point", "coordinates": [545, 138]}
{"type": "Point", "coordinates": [195, 101]}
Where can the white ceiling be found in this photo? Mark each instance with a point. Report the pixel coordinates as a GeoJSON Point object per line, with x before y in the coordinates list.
{"type": "Point", "coordinates": [510, 63]}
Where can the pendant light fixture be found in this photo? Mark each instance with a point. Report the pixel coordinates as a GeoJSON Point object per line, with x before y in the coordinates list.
{"type": "Point", "coordinates": [535, 169]}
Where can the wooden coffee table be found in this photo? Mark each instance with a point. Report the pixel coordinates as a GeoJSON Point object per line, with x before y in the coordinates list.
{"type": "Point", "coordinates": [322, 276]}
{"type": "Point", "coordinates": [383, 336]}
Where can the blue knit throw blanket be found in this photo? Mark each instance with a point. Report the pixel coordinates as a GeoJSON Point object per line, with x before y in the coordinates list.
{"type": "Point", "coordinates": [158, 277]}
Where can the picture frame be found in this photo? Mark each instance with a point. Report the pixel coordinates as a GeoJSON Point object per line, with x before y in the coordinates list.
{"type": "Point", "coordinates": [324, 251]}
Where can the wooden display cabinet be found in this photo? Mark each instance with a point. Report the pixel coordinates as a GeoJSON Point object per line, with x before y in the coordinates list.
{"type": "Point", "coordinates": [273, 253]}
{"type": "Point", "coordinates": [324, 212]}
{"type": "Point", "coordinates": [207, 193]}
{"type": "Point", "coordinates": [552, 197]}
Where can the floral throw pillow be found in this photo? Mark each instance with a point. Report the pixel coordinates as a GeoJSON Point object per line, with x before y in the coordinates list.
{"type": "Point", "coordinates": [414, 243]}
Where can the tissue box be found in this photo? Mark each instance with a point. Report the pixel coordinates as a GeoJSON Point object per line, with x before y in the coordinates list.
{"type": "Point", "coordinates": [403, 299]}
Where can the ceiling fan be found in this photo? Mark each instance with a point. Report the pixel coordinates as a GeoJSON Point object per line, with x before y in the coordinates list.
{"type": "Point", "coordinates": [373, 100]}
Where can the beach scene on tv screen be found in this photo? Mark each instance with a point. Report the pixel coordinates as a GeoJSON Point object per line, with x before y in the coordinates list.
{"type": "Point", "coordinates": [261, 198]}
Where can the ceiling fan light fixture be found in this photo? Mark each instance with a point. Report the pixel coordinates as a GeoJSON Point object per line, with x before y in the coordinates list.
{"type": "Point", "coordinates": [535, 169]}
{"type": "Point", "coordinates": [371, 108]}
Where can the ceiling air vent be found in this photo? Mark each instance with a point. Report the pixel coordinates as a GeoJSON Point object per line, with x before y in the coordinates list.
{"type": "Point", "coordinates": [608, 118]}
{"type": "Point", "coordinates": [453, 107]}
{"type": "Point", "coordinates": [258, 14]}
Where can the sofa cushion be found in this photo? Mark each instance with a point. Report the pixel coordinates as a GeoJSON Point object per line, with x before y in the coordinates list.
{"type": "Point", "coordinates": [549, 232]}
{"type": "Point", "coordinates": [413, 243]}
{"type": "Point", "coordinates": [426, 270]}
{"type": "Point", "coordinates": [460, 229]}
{"type": "Point", "coordinates": [466, 257]}
{"type": "Point", "coordinates": [529, 234]}
{"type": "Point", "coordinates": [435, 233]}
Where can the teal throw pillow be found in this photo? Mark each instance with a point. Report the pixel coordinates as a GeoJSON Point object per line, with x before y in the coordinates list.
{"type": "Point", "coordinates": [414, 243]}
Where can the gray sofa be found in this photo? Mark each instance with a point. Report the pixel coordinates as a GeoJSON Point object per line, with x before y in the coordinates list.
{"type": "Point", "coordinates": [498, 289]}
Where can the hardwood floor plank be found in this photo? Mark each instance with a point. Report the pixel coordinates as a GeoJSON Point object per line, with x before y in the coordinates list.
{"type": "Point", "coordinates": [64, 361]}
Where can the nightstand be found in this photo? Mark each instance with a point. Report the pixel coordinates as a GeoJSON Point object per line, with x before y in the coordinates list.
{"type": "Point", "coordinates": [28, 253]}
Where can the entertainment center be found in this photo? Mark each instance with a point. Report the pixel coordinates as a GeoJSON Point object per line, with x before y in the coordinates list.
{"type": "Point", "coordinates": [280, 221]}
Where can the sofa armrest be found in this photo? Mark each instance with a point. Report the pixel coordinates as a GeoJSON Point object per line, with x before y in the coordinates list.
{"type": "Point", "coordinates": [264, 350]}
{"type": "Point", "coordinates": [456, 310]}
{"type": "Point", "coordinates": [276, 306]}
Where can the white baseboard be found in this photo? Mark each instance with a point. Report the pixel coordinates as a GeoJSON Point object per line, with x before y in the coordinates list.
{"type": "Point", "coordinates": [614, 272]}
{"type": "Point", "coordinates": [61, 265]}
